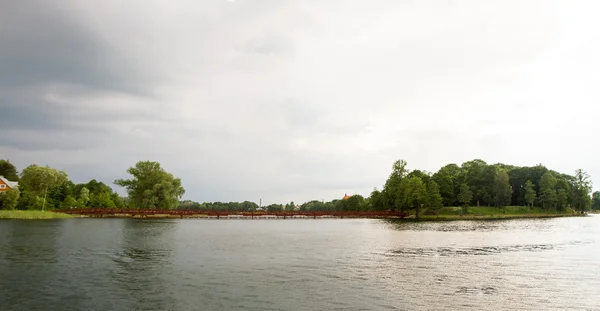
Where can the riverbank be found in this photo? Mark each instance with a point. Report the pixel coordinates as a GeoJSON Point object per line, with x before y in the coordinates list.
{"type": "Point", "coordinates": [16, 214]}
{"type": "Point", "coordinates": [492, 213]}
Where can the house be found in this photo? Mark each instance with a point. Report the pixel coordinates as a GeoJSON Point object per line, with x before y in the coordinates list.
{"type": "Point", "coordinates": [346, 196]}
{"type": "Point", "coordinates": [6, 184]}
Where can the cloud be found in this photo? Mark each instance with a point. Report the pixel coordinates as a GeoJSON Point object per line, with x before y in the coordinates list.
{"type": "Point", "coordinates": [296, 100]}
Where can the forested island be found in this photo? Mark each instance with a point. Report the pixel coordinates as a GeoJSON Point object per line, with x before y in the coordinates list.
{"type": "Point", "coordinates": [471, 188]}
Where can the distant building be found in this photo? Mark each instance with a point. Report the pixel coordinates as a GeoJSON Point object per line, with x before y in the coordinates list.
{"type": "Point", "coordinates": [6, 184]}
{"type": "Point", "coordinates": [346, 196]}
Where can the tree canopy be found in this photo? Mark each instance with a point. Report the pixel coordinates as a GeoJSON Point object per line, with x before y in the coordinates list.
{"type": "Point", "coordinates": [8, 170]}
{"type": "Point", "coordinates": [152, 187]}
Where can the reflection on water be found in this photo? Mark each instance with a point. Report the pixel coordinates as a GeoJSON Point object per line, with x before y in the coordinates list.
{"type": "Point", "coordinates": [125, 264]}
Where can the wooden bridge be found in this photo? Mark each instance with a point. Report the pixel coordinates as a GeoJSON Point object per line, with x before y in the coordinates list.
{"type": "Point", "coordinates": [108, 212]}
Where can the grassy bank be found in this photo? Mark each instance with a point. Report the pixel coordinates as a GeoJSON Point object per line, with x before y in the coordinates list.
{"type": "Point", "coordinates": [32, 215]}
{"type": "Point", "coordinates": [484, 212]}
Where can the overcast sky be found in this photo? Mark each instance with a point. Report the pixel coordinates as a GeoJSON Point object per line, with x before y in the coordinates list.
{"type": "Point", "coordinates": [297, 100]}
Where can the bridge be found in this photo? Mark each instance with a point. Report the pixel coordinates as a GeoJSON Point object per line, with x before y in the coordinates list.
{"type": "Point", "coordinates": [155, 213]}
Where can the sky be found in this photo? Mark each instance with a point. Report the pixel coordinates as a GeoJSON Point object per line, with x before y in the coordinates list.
{"type": "Point", "coordinates": [297, 100]}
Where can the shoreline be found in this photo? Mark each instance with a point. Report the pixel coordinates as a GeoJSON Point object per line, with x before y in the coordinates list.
{"type": "Point", "coordinates": [39, 215]}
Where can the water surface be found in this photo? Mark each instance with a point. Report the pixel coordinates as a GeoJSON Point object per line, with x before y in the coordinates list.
{"type": "Point", "coordinates": [323, 264]}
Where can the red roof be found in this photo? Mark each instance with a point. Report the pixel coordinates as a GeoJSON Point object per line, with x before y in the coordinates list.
{"type": "Point", "coordinates": [345, 196]}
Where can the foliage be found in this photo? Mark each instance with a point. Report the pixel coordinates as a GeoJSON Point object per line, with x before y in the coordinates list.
{"type": "Point", "coordinates": [394, 187]}
{"type": "Point", "coordinates": [415, 193]}
{"type": "Point", "coordinates": [9, 199]}
{"type": "Point", "coordinates": [596, 200]}
{"type": "Point", "coordinates": [465, 195]}
{"type": "Point", "coordinates": [8, 170]}
{"type": "Point", "coordinates": [582, 187]}
{"type": "Point", "coordinates": [547, 192]}
{"type": "Point", "coordinates": [37, 179]}
{"type": "Point", "coordinates": [530, 194]}
{"type": "Point", "coordinates": [151, 186]}
{"type": "Point", "coordinates": [434, 198]}
{"type": "Point", "coordinates": [502, 189]}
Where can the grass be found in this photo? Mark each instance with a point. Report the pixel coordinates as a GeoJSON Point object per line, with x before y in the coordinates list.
{"type": "Point", "coordinates": [16, 214]}
{"type": "Point", "coordinates": [485, 212]}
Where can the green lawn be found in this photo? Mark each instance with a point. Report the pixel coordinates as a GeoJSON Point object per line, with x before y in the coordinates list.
{"type": "Point", "coordinates": [15, 214]}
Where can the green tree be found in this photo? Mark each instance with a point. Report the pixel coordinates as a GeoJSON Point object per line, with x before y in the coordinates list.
{"type": "Point", "coordinates": [69, 202]}
{"type": "Point", "coordinates": [561, 199]}
{"type": "Point", "coordinates": [530, 194]}
{"type": "Point", "coordinates": [596, 200]}
{"type": "Point", "coordinates": [37, 179]}
{"type": "Point", "coordinates": [416, 194]}
{"type": "Point", "coordinates": [582, 187]}
{"type": "Point", "coordinates": [84, 197]}
{"type": "Point", "coordinates": [465, 195]}
{"type": "Point", "coordinates": [547, 192]}
{"type": "Point", "coordinates": [394, 188]}
{"type": "Point", "coordinates": [9, 199]}
{"type": "Point", "coordinates": [376, 201]}
{"type": "Point", "coordinates": [502, 188]}
{"type": "Point", "coordinates": [434, 199]}
{"type": "Point", "coordinates": [8, 170]}
{"type": "Point", "coordinates": [447, 179]}
{"type": "Point", "coordinates": [151, 186]}
{"type": "Point", "coordinates": [37, 182]}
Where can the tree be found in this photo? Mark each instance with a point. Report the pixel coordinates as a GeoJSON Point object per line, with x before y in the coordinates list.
{"type": "Point", "coordinates": [84, 197]}
{"type": "Point", "coordinates": [434, 199]}
{"type": "Point", "coordinates": [447, 179]}
{"type": "Point", "coordinates": [416, 193]}
{"type": "Point", "coordinates": [8, 170]}
{"type": "Point", "coordinates": [37, 179]}
{"type": "Point", "coordinates": [151, 186]}
{"type": "Point", "coordinates": [561, 199]}
{"type": "Point", "coordinates": [9, 199]}
{"type": "Point", "coordinates": [502, 188]}
{"type": "Point", "coordinates": [582, 186]}
{"type": "Point", "coordinates": [35, 184]}
{"type": "Point", "coordinates": [465, 195]}
{"type": "Point", "coordinates": [547, 192]}
{"type": "Point", "coordinates": [394, 188]}
{"type": "Point", "coordinates": [530, 194]}
{"type": "Point", "coordinates": [69, 202]}
{"type": "Point", "coordinates": [596, 200]}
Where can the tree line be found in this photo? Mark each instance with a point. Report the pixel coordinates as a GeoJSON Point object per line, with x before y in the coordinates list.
{"type": "Point", "coordinates": [473, 183]}
{"type": "Point", "coordinates": [44, 187]}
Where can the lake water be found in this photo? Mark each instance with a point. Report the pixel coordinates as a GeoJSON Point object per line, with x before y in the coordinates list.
{"type": "Point", "coordinates": [323, 264]}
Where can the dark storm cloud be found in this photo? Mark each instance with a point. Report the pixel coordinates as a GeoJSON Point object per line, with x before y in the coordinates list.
{"type": "Point", "coordinates": [45, 50]}
{"type": "Point", "coordinates": [40, 43]}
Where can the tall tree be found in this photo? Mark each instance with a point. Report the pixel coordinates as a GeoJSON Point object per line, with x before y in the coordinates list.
{"type": "Point", "coordinates": [416, 194]}
{"type": "Point", "coordinates": [434, 199]}
{"type": "Point", "coordinates": [8, 170]}
{"type": "Point", "coordinates": [465, 195]}
{"type": "Point", "coordinates": [447, 179]}
{"type": "Point", "coordinates": [152, 186]}
{"type": "Point", "coordinates": [596, 200]}
{"type": "Point", "coordinates": [394, 187]}
{"type": "Point", "coordinates": [36, 183]}
{"type": "Point", "coordinates": [502, 188]}
{"type": "Point", "coordinates": [547, 192]}
{"type": "Point", "coordinates": [561, 199]}
{"type": "Point", "coordinates": [582, 187]}
{"type": "Point", "coordinates": [530, 194]}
